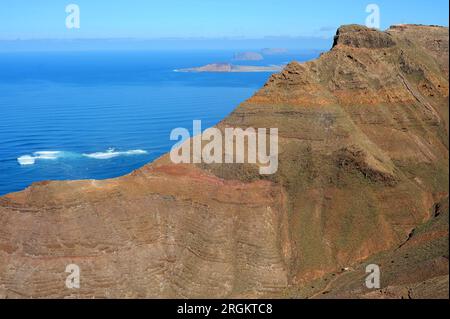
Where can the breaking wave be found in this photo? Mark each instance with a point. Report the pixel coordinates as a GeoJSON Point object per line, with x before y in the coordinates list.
{"type": "Point", "coordinates": [111, 153]}
{"type": "Point", "coordinates": [44, 155]}
{"type": "Point", "coordinates": [54, 155]}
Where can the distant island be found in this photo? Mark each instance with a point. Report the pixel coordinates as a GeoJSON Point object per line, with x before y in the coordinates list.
{"type": "Point", "coordinates": [227, 67]}
{"type": "Point", "coordinates": [274, 51]}
{"type": "Point", "coordinates": [242, 56]}
{"type": "Point", "coordinates": [361, 193]}
{"type": "Point", "coordinates": [248, 56]}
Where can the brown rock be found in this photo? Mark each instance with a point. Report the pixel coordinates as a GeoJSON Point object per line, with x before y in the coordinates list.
{"type": "Point", "coordinates": [363, 134]}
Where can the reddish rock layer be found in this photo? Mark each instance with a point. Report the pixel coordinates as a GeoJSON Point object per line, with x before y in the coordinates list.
{"type": "Point", "coordinates": [363, 161]}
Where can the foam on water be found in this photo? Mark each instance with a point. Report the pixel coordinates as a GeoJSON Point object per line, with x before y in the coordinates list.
{"type": "Point", "coordinates": [45, 155]}
{"type": "Point", "coordinates": [111, 153]}
{"type": "Point", "coordinates": [26, 160]}
{"type": "Point", "coordinates": [54, 155]}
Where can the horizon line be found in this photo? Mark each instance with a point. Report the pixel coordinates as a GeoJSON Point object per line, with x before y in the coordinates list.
{"type": "Point", "coordinates": [175, 38]}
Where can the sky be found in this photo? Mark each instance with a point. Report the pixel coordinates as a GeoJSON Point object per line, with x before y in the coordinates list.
{"type": "Point", "coordinates": [149, 19]}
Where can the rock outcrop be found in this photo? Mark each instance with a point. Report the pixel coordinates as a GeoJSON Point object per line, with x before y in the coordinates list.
{"type": "Point", "coordinates": [363, 173]}
{"type": "Point", "coordinates": [361, 37]}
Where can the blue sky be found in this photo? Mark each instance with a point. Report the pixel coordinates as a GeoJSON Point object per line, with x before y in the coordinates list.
{"type": "Point", "coordinates": [26, 19]}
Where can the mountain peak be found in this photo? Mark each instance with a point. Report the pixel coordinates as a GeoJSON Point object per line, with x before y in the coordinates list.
{"type": "Point", "coordinates": [363, 177]}
{"type": "Point", "coordinates": [359, 36]}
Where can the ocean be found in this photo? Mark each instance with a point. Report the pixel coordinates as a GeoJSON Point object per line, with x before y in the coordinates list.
{"type": "Point", "coordinates": [97, 115]}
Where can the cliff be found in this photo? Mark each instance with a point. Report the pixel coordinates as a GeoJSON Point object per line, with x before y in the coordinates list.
{"type": "Point", "coordinates": [363, 176]}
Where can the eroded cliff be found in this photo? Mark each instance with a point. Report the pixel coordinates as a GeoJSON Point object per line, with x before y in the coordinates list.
{"type": "Point", "coordinates": [363, 140]}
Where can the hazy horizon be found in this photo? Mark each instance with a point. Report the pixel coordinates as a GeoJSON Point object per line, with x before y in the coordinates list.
{"type": "Point", "coordinates": [179, 44]}
{"type": "Point", "coordinates": [139, 19]}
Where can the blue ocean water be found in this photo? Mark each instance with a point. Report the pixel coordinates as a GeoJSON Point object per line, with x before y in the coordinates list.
{"type": "Point", "coordinates": [83, 115]}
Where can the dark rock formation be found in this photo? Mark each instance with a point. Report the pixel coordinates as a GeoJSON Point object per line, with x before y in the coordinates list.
{"type": "Point", "coordinates": [362, 37]}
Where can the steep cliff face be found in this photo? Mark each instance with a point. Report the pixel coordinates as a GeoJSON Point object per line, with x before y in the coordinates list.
{"type": "Point", "coordinates": [363, 134]}
{"type": "Point", "coordinates": [418, 268]}
{"type": "Point", "coordinates": [363, 143]}
{"type": "Point", "coordinates": [163, 231]}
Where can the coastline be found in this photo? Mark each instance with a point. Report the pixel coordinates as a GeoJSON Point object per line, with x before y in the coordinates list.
{"type": "Point", "coordinates": [341, 197]}
{"type": "Point", "coordinates": [231, 68]}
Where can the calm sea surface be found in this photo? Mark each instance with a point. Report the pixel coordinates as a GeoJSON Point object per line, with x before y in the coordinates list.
{"type": "Point", "coordinates": [98, 115]}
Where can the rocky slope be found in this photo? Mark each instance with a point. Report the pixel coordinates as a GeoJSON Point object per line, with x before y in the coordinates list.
{"type": "Point", "coordinates": [418, 268]}
{"type": "Point", "coordinates": [363, 139]}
